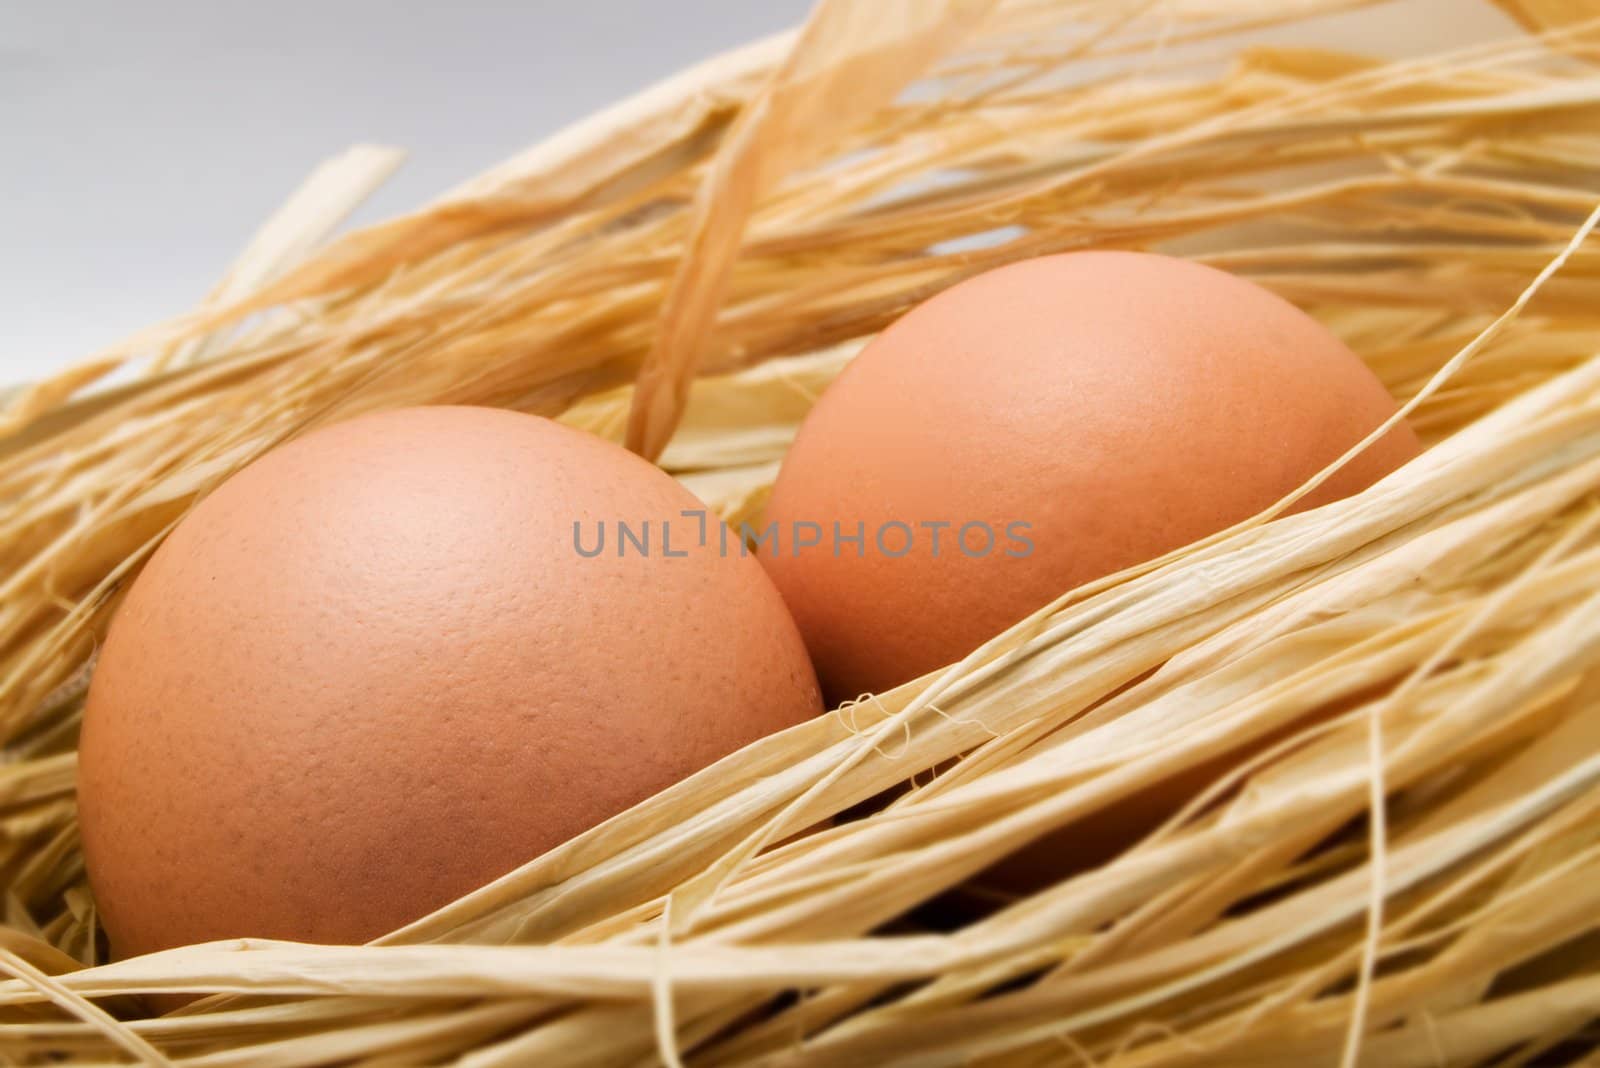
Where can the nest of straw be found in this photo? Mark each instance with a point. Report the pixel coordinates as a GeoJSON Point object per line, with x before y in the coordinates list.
{"type": "Point", "coordinates": [1411, 878]}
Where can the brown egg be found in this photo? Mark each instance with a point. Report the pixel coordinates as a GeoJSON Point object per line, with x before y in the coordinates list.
{"type": "Point", "coordinates": [373, 671]}
{"type": "Point", "coordinates": [1066, 417]}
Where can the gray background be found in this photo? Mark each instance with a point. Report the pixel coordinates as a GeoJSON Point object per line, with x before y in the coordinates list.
{"type": "Point", "coordinates": [143, 141]}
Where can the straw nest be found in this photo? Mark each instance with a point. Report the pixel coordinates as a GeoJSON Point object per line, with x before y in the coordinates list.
{"type": "Point", "coordinates": [1407, 872]}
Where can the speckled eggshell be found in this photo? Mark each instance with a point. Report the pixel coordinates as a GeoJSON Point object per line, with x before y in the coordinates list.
{"type": "Point", "coordinates": [1121, 404]}
{"type": "Point", "coordinates": [371, 672]}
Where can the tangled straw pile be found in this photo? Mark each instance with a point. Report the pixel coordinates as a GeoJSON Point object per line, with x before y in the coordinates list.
{"type": "Point", "coordinates": [1403, 866]}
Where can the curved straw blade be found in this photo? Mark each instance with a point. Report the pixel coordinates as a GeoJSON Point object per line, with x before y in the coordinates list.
{"type": "Point", "coordinates": [1541, 15]}
{"type": "Point", "coordinates": [850, 60]}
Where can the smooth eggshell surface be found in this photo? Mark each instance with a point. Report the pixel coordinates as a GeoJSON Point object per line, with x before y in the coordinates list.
{"type": "Point", "coordinates": [371, 672]}
{"type": "Point", "coordinates": [1120, 404]}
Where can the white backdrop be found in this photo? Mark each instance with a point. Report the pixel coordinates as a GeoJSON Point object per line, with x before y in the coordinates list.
{"type": "Point", "coordinates": [142, 141]}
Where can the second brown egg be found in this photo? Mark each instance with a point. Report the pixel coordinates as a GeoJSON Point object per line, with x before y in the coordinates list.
{"type": "Point", "coordinates": [1042, 425]}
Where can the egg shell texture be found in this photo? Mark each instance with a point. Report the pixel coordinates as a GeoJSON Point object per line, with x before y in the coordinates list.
{"type": "Point", "coordinates": [1119, 404]}
{"type": "Point", "coordinates": [371, 672]}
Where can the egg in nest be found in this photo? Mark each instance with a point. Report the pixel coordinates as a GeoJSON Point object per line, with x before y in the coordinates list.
{"type": "Point", "coordinates": [1043, 425]}
{"type": "Point", "coordinates": [385, 664]}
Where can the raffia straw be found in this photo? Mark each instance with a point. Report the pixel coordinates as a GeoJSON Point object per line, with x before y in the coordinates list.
{"type": "Point", "coordinates": [850, 58]}
{"type": "Point", "coordinates": [83, 1009]}
{"type": "Point", "coordinates": [1376, 797]}
{"type": "Point", "coordinates": [305, 221]}
{"type": "Point", "coordinates": [1426, 653]}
